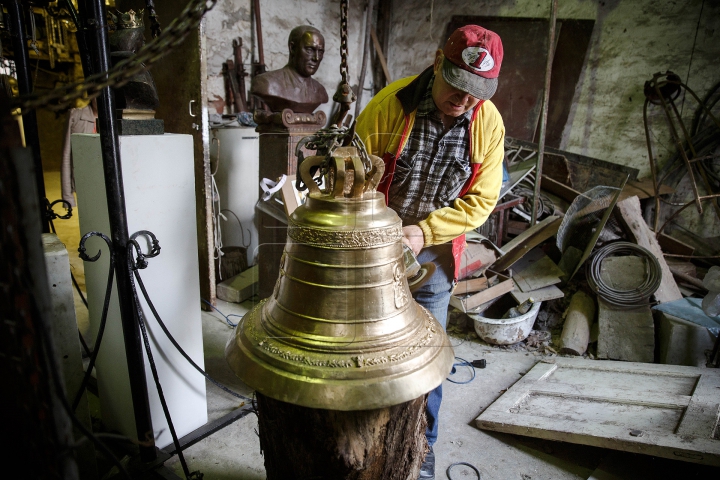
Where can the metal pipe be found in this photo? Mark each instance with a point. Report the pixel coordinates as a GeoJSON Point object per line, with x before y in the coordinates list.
{"type": "Point", "coordinates": [94, 15]}
{"type": "Point", "coordinates": [25, 86]}
{"type": "Point", "coordinates": [543, 117]}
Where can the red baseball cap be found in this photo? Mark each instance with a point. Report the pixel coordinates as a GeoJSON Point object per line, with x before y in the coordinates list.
{"type": "Point", "coordinates": [472, 61]}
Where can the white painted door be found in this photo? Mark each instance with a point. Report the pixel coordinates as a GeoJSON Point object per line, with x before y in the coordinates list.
{"type": "Point", "coordinates": [663, 410]}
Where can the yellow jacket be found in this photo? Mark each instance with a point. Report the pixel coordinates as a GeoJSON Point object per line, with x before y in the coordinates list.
{"type": "Point", "coordinates": [385, 124]}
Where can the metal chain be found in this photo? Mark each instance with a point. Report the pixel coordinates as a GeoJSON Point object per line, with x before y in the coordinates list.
{"type": "Point", "coordinates": [343, 40]}
{"type": "Point", "coordinates": [123, 71]}
{"type": "Point", "coordinates": [344, 94]}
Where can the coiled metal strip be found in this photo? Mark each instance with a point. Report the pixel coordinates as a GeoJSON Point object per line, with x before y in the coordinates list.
{"type": "Point", "coordinates": [624, 298]}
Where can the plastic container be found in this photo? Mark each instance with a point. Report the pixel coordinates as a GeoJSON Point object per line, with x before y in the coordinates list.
{"type": "Point", "coordinates": [504, 331]}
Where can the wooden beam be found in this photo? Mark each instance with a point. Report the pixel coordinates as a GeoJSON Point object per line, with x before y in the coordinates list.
{"type": "Point", "coordinates": [380, 55]}
{"type": "Point", "coordinates": [634, 224]}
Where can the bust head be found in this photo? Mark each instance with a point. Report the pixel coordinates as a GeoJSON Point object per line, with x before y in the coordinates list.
{"type": "Point", "coordinates": [307, 47]}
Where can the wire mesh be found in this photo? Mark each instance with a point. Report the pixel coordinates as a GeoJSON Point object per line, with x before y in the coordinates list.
{"type": "Point", "coordinates": [586, 217]}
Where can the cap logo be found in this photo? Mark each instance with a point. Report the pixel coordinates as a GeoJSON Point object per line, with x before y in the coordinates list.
{"type": "Point", "coordinates": [478, 59]}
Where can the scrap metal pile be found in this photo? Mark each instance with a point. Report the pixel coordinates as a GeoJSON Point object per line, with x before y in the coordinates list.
{"type": "Point", "coordinates": [614, 264]}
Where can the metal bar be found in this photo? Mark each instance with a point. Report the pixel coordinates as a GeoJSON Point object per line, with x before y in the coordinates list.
{"type": "Point", "coordinates": [679, 145]}
{"type": "Point", "coordinates": [258, 29]}
{"type": "Point", "coordinates": [543, 118]}
{"type": "Point", "coordinates": [656, 186]}
{"type": "Point", "coordinates": [208, 429]}
{"type": "Point", "coordinates": [25, 86]}
{"type": "Point", "coordinates": [366, 53]}
{"type": "Point", "coordinates": [688, 140]}
{"type": "Point", "coordinates": [94, 15]}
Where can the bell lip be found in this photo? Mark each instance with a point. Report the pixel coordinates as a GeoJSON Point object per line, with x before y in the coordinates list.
{"type": "Point", "coordinates": [342, 395]}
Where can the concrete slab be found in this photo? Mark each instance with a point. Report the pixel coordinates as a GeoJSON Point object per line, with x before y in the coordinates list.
{"type": "Point", "coordinates": [627, 335]}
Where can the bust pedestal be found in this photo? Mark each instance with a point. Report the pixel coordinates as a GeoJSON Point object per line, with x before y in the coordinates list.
{"type": "Point", "coordinates": [280, 133]}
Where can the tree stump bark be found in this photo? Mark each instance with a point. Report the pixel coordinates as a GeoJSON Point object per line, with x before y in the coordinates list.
{"type": "Point", "coordinates": [306, 443]}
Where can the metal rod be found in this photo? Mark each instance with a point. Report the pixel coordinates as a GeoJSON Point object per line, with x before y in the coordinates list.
{"type": "Point", "coordinates": [543, 117]}
{"type": "Point", "coordinates": [25, 86]}
{"type": "Point", "coordinates": [95, 15]}
{"type": "Point", "coordinates": [366, 53]}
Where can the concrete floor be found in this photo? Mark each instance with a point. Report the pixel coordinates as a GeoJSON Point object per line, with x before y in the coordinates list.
{"type": "Point", "coordinates": [234, 453]}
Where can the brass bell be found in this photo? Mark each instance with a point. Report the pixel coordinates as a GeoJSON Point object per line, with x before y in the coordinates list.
{"type": "Point", "coordinates": [341, 331]}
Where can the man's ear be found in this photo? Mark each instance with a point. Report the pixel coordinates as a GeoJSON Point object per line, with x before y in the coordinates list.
{"type": "Point", "coordinates": [438, 60]}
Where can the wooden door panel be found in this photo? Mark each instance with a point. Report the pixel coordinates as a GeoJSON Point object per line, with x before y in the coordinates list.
{"type": "Point", "coordinates": [663, 410]}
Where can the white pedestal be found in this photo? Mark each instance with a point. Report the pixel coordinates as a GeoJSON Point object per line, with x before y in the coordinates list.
{"type": "Point", "coordinates": [159, 183]}
{"type": "Point", "coordinates": [237, 179]}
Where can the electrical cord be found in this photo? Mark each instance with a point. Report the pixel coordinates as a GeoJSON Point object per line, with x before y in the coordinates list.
{"type": "Point", "coordinates": [177, 346]}
{"type": "Point", "coordinates": [462, 363]}
{"type": "Point", "coordinates": [469, 465]}
{"type": "Point", "coordinates": [226, 317]}
{"type": "Point", "coordinates": [141, 263]}
{"type": "Point", "coordinates": [624, 298]}
{"type": "Point", "coordinates": [151, 360]}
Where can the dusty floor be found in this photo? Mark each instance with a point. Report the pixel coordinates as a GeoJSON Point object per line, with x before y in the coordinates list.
{"type": "Point", "coordinates": [234, 452]}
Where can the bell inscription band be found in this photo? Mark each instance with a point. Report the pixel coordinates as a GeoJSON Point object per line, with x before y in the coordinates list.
{"type": "Point", "coordinates": [341, 334]}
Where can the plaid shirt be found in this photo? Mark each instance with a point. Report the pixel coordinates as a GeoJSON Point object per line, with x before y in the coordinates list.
{"type": "Point", "coordinates": [433, 167]}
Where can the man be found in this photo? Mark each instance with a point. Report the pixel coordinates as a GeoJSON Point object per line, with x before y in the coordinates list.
{"type": "Point", "coordinates": [442, 143]}
{"type": "Point", "coordinates": [293, 86]}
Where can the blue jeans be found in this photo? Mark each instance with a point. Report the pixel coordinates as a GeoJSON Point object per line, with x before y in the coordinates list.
{"type": "Point", "coordinates": [435, 296]}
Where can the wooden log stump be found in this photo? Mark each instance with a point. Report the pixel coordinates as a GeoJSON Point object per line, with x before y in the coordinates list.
{"type": "Point", "coordinates": [303, 443]}
{"type": "Point", "coordinates": [578, 321]}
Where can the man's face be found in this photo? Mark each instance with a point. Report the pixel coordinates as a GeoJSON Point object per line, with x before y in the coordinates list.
{"type": "Point", "coordinates": [448, 99]}
{"type": "Point", "coordinates": [308, 53]}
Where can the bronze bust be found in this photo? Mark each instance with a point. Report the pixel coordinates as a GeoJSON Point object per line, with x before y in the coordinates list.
{"type": "Point", "coordinates": [292, 87]}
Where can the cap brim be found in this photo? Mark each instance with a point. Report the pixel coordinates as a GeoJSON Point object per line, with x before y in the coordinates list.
{"type": "Point", "coordinates": [479, 87]}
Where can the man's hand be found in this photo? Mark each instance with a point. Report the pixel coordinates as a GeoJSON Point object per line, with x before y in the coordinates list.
{"type": "Point", "coordinates": [413, 237]}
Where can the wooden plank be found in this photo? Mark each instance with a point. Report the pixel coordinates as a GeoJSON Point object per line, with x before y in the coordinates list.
{"type": "Point", "coordinates": [548, 293]}
{"type": "Point", "coordinates": [556, 188]}
{"type": "Point", "coordinates": [631, 217]}
{"type": "Point", "coordinates": [240, 287]}
{"type": "Point", "coordinates": [486, 295]}
{"type": "Point", "coordinates": [699, 420]}
{"type": "Point", "coordinates": [673, 245]}
{"type": "Point", "coordinates": [464, 287]}
{"type": "Point", "coordinates": [182, 90]}
{"type": "Point", "coordinates": [516, 248]}
{"type": "Point", "coordinates": [379, 52]}
{"type": "Point", "coordinates": [632, 407]}
{"type": "Point", "coordinates": [643, 189]}
{"type": "Point", "coordinates": [535, 271]}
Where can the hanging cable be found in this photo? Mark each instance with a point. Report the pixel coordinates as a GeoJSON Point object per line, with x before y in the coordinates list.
{"type": "Point", "coordinates": [216, 214]}
{"type": "Point", "coordinates": [142, 263]}
{"type": "Point", "coordinates": [148, 351]}
{"type": "Point", "coordinates": [103, 316]}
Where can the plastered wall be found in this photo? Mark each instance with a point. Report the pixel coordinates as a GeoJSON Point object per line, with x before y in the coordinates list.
{"type": "Point", "coordinates": [632, 39]}
{"type": "Point", "coordinates": [231, 19]}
